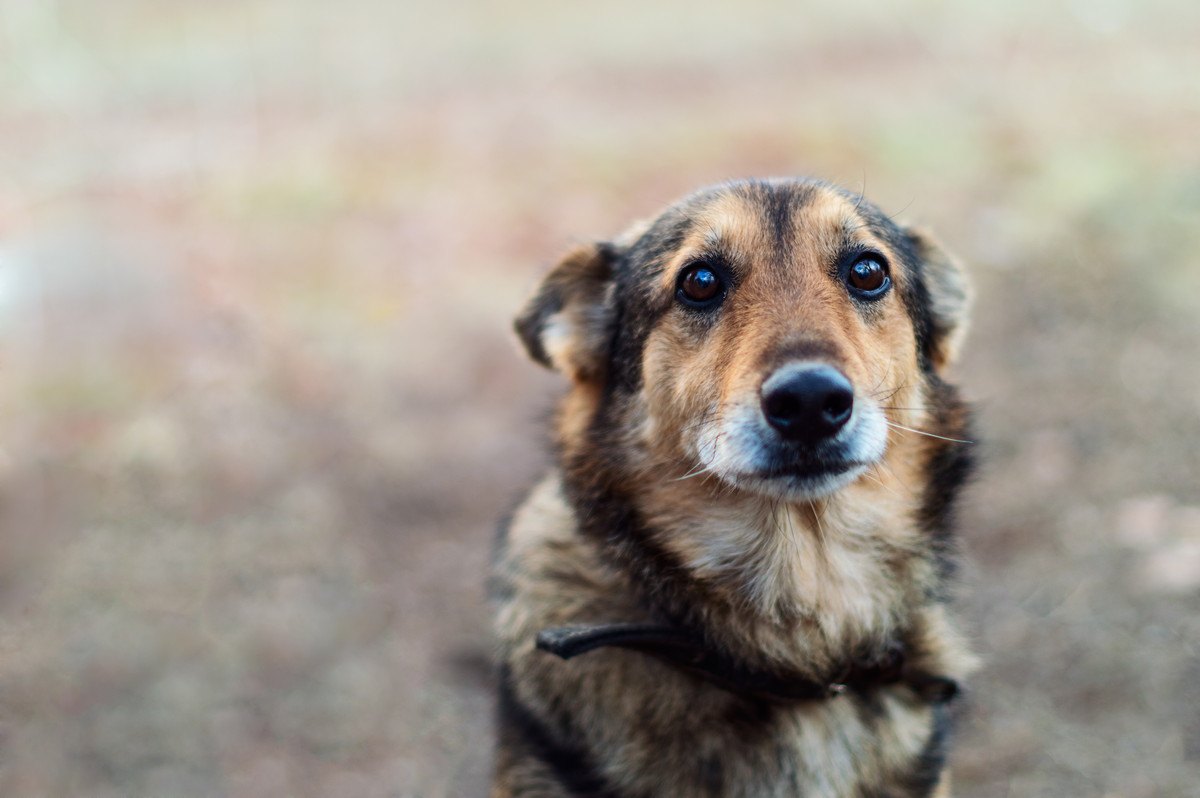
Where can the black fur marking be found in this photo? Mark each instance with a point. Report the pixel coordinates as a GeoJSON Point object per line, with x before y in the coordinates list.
{"type": "Point", "coordinates": [870, 708]}
{"type": "Point", "coordinates": [923, 777]}
{"type": "Point", "coordinates": [949, 468]}
{"type": "Point", "coordinates": [639, 302]}
{"type": "Point", "coordinates": [931, 762]}
{"type": "Point", "coordinates": [779, 209]}
{"type": "Point", "coordinates": [623, 538]}
{"type": "Point", "coordinates": [916, 294]}
{"type": "Point", "coordinates": [780, 202]}
{"type": "Point", "coordinates": [570, 765]}
{"type": "Point", "coordinates": [713, 774]}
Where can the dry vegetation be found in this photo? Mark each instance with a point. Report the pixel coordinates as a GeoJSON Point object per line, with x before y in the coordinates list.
{"type": "Point", "coordinates": [259, 405]}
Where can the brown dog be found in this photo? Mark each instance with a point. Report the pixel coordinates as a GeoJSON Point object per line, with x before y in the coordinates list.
{"type": "Point", "coordinates": [733, 584]}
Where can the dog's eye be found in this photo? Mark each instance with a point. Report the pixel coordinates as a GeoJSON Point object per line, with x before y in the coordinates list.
{"type": "Point", "coordinates": [868, 276]}
{"type": "Point", "coordinates": [700, 286]}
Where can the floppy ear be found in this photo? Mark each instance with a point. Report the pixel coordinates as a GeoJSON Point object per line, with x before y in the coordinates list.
{"type": "Point", "coordinates": [949, 297]}
{"type": "Point", "coordinates": [567, 323]}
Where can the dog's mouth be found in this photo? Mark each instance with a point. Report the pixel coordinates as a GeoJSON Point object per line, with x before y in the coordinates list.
{"type": "Point", "coordinates": [803, 477]}
{"type": "Point", "coordinates": [807, 468]}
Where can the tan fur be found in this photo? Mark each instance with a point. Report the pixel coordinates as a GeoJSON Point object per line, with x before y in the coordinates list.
{"type": "Point", "coordinates": [793, 584]}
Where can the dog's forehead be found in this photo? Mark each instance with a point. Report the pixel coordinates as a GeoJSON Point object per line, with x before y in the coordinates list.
{"type": "Point", "coordinates": [748, 221]}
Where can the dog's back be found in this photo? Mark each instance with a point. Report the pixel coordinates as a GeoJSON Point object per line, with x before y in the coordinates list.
{"type": "Point", "coordinates": [733, 582]}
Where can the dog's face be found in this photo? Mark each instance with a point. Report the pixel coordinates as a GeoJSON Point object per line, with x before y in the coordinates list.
{"type": "Point", "coordinates": [763, 333]}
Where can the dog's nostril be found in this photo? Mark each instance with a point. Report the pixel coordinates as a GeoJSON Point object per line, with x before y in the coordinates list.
{"type": "Point", "coordinates": [782, 406]}
{"type": "Point", "coordinates": [807, 403]}
{"type": "Point", "coordinates": [837, 406]}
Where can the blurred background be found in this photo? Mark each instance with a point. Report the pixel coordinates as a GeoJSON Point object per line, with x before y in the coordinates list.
{"type": "Point", "coordinates": [260, 405]}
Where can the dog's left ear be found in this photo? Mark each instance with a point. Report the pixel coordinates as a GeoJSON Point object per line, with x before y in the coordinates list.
{"type": "Point", "coordinates": [949, 297]}
{"type": "Point", "coordinates": [567, 323]}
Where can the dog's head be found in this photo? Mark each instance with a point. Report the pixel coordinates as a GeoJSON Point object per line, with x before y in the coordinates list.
{"type": "Point", "coordinates": [764, 333]}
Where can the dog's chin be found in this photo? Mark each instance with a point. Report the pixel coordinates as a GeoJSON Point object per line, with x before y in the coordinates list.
{"type": "Point", "coordinates": [800, 483]}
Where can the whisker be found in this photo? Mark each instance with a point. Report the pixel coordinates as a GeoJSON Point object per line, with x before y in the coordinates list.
{"type": "Point", "coordinates": [893, 391]}
{"type": "Point", "coordinates": [817, 518]}
{"type": "Point", "coordinates": [882, 380]}
{"type": "Point", "coordinates": [704, 418]}
{"type": "Point", "coordinates": [695, 472]}
{"type": "Point", "coordinates": [787, 520]}
{"type": "Point", "coordinates": [883, 466]}
{"type": "Point", "coordinates": [907, 413]}
{"type": "Point", "coordinates": [862, 194]}
{"type": "Point", "coordinates": [926, 434]}
{"type": "Point", "coordinates": [875, 478]}
{"type": "Point", "coordinates": [893, 216]}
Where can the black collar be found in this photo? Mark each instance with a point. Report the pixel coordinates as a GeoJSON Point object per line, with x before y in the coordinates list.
{"type": "Point", "coordinates": [688, 652]}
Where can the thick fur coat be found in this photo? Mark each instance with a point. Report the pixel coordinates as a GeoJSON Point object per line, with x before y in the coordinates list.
{"type": "Point", "coordinates": [681, 499]}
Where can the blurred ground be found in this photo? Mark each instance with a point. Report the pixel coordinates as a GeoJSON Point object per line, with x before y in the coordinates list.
{"type": "Point", "coordinates": [259, 405]}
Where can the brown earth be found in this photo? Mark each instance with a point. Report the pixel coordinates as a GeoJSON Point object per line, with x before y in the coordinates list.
{"type": "Point", "coordinates": [259, 404]}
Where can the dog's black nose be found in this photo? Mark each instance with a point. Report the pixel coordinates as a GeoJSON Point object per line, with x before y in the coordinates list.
{"type": "Point", "coordinates": [807, 403]}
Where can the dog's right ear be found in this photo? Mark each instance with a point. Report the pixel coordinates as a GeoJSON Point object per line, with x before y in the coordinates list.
{"type": "Point", "coordinates": [567, 323]}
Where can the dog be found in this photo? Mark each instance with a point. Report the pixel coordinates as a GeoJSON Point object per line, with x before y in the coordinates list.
{"type": "Point", "coordinates": [734, 582]}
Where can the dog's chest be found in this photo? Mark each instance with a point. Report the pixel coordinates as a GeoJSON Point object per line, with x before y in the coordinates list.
{"type": "Point", "coordinates": [844, 746]}
{"type": "Point", "coordinates": [844, 569]}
